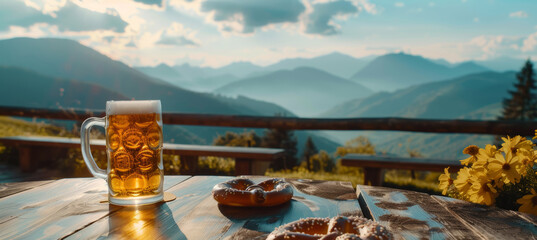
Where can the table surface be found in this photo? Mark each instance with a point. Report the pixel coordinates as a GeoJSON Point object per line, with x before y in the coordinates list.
{"type": "Point", "coordinates": [74, 209]}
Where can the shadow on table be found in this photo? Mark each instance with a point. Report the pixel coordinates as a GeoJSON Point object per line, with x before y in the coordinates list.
{"type": "Point", "coordinates": [241, 213]}
{"type": "Point", "coordinates": [143, 222]}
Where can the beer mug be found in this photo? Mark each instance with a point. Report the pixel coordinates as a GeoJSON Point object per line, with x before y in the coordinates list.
{"type": "Point", "coordinates": [133, 131]}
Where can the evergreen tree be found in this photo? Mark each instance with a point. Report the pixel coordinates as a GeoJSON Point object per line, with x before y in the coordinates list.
{"type": "Point", "coordinates": [523, 102]}
{"type": "Point", "coordinates": [309, 150]}
{"type": "Point", "coordinates": [285, 139]}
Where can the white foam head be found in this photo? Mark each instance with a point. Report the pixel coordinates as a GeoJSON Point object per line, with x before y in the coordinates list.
{"type": "Point", "coordinates": [133, 107]}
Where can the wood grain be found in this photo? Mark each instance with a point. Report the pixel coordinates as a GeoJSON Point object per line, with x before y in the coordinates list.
{"type": "Point", "coordinates": [490, 222]}
{"type": "Point", "coordinates": [196, 215]}
{"type": "Point", "coordinates": [56, 209]}
{"type": "Point", "coordinates": [411, 215]}
{"type": "Point", "coordinates": [7, 189]}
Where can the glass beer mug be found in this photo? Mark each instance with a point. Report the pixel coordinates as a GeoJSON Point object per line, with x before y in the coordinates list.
{"type": "Point", "coordinates": [133, 130]}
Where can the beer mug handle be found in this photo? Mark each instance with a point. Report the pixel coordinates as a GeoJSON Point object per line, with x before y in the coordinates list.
{"type": "Point", "coordinates": [85, 144]}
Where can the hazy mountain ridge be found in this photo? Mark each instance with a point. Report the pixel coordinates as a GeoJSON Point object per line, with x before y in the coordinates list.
{"type": "Point", "coordinates": [338, 64]}
{"type": "Point", "coordinates": [398, 70]}
{"type": "Point", "coordinates": [305, 91]}
{"type": "Point", "coordinates": [207, 79]}
{"type": "Point", "coordinates": [475, 96]}
{"type": "Point", "coordinates": [443, 99]}
{"type": "Point", "coordinates": [67, 59]}
{"type": "Point", "coordinates": [70, 60]}
{"type": "Point", "coordinates": [24, 88]}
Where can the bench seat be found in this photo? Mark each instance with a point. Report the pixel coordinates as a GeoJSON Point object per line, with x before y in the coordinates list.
{"type": "Point", "coordinates": [374, 164]}
{"type": "Point", "coordinates": [248, 160]}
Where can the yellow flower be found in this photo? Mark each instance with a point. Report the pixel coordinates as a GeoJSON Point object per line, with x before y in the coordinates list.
{"type": "Point", "coordinates": [527, 157]}
{"type": "Point", "coordinates": [529, 203]}
{"type": "Point", "coordinates": [484, 156]}
{"type": "Point", "coordinates": [471, 150]}
{"type": "Point", "coordinates": [518, 142]}
{"type": "Point", "coordinates": [445, 181]}
{"type": "Point", "coordinates": [463, 181]}
{"type": "Point", "coordinates": [509, 168]}
{"type": "Point", "coordinates": [535, 134]}
{"type": "Point", "coordinates": [482, 190]}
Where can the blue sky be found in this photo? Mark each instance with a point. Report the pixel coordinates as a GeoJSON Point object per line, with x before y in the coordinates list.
{"type": "Point", "coordinates": [218, 32]}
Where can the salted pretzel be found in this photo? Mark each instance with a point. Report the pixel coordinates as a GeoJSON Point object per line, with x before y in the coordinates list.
{"type": "Point", "coordinates": [243, 192]}
{"type": "Point", "coordinates": [336, 228]}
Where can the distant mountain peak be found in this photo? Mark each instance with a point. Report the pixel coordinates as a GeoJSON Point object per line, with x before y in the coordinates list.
{"type": "Point", "coordinates": [400, 70]}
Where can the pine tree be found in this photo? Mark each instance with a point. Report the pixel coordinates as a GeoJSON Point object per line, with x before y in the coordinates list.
{"type": "Point", "coordinates": [523, 102]}
{"type": "Point", "coordinates": [280, 138]}
{"type": "Point", "coordinates": [309, 150]}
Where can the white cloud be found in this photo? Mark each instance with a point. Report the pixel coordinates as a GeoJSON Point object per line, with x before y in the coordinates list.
{"type": "Point", "coordinates": [178, 35]}
{"type": "Point", "coordinates": [399, 4]}
{"type": "Point", "coordinates": [530, 43]}
{"type": "Point", "coordinates": [370, 8]}
{"type": "Point", "coordinates": [519, 14]}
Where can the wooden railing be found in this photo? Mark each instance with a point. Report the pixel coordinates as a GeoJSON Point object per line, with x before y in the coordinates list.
{"type": "Point", "coordinates": [293, 123]}
{"type": "Point", "coordinates": [494, 127]}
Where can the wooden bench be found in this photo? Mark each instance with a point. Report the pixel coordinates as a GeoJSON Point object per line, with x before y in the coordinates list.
{"type": "Point", "coordinates": [248, 160]}
{"type": "Point", "coordinates": [373, 165]}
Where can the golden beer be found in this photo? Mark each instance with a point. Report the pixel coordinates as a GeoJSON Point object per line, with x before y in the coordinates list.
{"type": "Point", "coordinates": [133, 132]}
{"type": "Point", "coordinates": [134, 147]}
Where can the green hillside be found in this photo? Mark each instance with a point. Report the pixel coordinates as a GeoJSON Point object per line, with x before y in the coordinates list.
{"type": "Point", "coordinates": [25, 88]}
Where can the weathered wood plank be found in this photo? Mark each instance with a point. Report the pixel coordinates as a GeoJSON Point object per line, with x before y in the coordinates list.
{"type": "Point", "coordinates": [196, 215]}
{"type": "Point", "coordinates": [166, 220]}
{"type": "Point", "coordinates": [490, 222]}
{"type": "Point", "coordinates": [411, 215]}
{"type": "Point", "coordinates": [7, 189]}
{"type": "Point", "coordinates": [56, 209]}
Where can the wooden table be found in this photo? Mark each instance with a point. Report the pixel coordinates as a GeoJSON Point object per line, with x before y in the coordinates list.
{"type": "Point", "coordinates": [72, 209]}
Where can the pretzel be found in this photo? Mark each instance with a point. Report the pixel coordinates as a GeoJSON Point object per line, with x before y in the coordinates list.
{"type": "Point", "coordinates": [243, 192]}
{"type": "Point", "coordinates": [336, 228]}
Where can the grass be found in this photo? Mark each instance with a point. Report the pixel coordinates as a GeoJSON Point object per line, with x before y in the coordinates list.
{"type": "Point", "coordinates": [423, 182]}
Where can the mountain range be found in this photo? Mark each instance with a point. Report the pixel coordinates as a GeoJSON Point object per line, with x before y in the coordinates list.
{"type": "Point", "coordinates": [63, 73]}
{"type": "Point", "coordinates": [447, 99]}
{"type": "Point", "coordinates": [24, 88]}
{"type": "Point", "coordinates": [82, 66]}
{"type": "Point", "coordinates": [305, 91]}
{"type": "Point", "coordinates": [398, 70]}
{"type": "Point", "coordinates": [206, 79]}
{"type": "Point", "coordinates": [475, 96]}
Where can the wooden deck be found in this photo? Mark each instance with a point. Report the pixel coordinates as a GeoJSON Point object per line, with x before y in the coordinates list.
{"type": "Point", "coordinates": [73, 209]}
